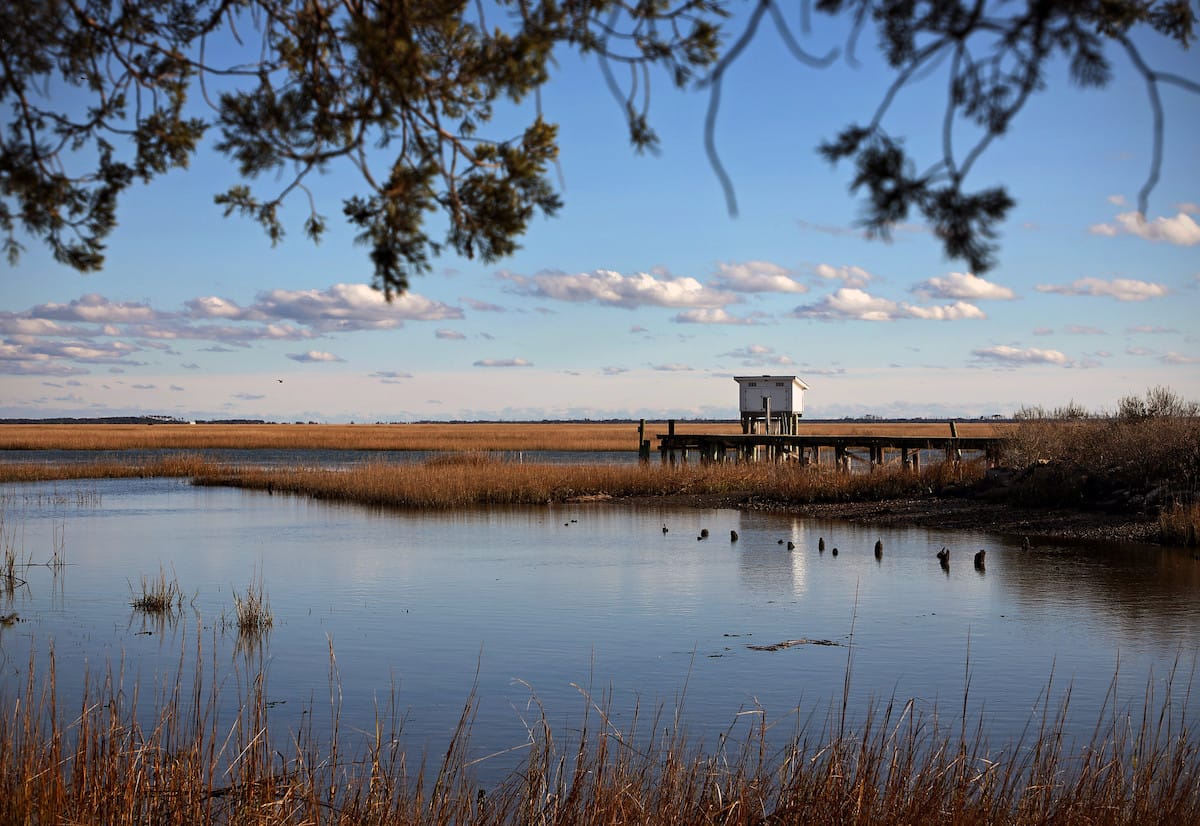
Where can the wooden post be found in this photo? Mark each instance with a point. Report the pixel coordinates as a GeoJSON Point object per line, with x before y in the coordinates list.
{"type": "Point", "coordinates": [643, 443]}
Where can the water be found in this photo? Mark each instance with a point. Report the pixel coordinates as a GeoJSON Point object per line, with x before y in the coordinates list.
{"type": "Point", "coordinates": [566, 602]}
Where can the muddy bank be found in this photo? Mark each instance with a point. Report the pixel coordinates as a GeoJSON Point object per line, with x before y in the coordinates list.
{"type": "Point", "coordinates": [950, 512]}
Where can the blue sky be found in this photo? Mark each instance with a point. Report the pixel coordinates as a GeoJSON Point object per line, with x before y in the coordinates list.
{"type": "Point", "coordinates": [644, 297]}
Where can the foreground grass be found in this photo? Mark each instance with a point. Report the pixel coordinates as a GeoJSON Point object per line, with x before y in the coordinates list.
{"type": "Point", "coordinates": [480, 480]}
{"type": "Point", "coordinates": [103, 761]}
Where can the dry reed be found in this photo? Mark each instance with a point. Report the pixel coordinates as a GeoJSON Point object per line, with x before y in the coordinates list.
{"type": "Point", "coordinates": [175, 466]}
{"type": "Point", "coordinates": [497, 436]}
{"type": "Point", "coordinates": [158, 596]}
{"type": "Point", "coordinates": [449, 484]}
{"type": "Point", "coordinates": [187, 763]}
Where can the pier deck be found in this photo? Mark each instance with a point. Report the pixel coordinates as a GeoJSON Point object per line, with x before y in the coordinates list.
{"type": "Point", "coordinates": [840, 448]}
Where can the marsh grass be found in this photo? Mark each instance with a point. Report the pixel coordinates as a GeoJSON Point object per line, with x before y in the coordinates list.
{"type": "Point", "coordinates": [455, 436]}
{"type": "Point", "coordinates": [174, 466]}
{"type": "Point", "coordinates": [1180, 524]}
{"type": "Point", "coordinates": [252, 610]}
{"type": "Point", "coordinates": [476, 480]}
{"type": "Point", "coordinates": [1146, 455]}
{"type": "Point", "coordinates": [197, 758]}
{"type": "Point", "coordinates": [159, 596]}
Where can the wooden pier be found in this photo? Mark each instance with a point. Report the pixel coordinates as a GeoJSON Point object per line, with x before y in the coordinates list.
{"type": "Point", "coordinates": [873, 446]}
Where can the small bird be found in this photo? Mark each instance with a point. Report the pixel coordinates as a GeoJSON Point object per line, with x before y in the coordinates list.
{"type": "Point", "coordinates": [733, 536]}
{"type": "Point", "coordinates": [834, 552]}
{"type": "Point", "coordinates": [821, 544]}
{"type": "Point", "coordinates": [791, 546]}
{"type": "Point", "coordinates": [979, 557]}
{"type": "Point", "coordinates": [279, 380]}
{"type": "Point", "coordinates": [664, 527]}
{"type": "Point", "coordinates": [703, 533]}
{"type": "Point", "coordinates": [879, 549]}
{"type": "Point", "coordinates": [1025, 543]}
{"type": "Point", "coordinates": [944, 557]}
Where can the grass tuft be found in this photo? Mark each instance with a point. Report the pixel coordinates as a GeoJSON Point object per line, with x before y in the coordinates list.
{"type": "Point", "coordinates": [159, 596]}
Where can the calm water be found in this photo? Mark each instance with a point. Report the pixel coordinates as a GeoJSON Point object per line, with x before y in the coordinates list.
{"type": "Point", "coordinates": [419, 607]}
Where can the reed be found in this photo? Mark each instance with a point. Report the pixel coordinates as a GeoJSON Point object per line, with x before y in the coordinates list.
{"type": "Point", "coordinates": [104, 761]}
{"type": "Point", "coordinates": [1179, 524]}
{"type": "Point", "coordinates": [158, 595]}
{"type": "Point", "coordinates": [455, 436]}
{"type": "Point", "coordinates": [485, 481]}
{"type": "Point", "coordinates": [1143, 456]}
{"type": "Point", "coordinates": [252, 610]}
{"type": "Point", "coordinates": [174, 466]}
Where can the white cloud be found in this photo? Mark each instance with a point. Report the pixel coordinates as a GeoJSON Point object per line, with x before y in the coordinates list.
{"type": "Point", "coordinates": [617, 290]}
{"type": "Point", "coordinates": [314, 356]}
{"type": "Point", "coordinates": [756, 277]}
{"type": "Point", "coordinates": [963, 285]}
{"type": "Point", "coordinates": [1150, 329]}
{"type": "Point", "coordinates": [348, 307]}
{"type": "Point", "coordinates": [1116, 200]}
{"type": "Point", "coordinates": [849, 276]}
{"type": "Point", "coordinates": [853, 304]}
{"type": "Point", "coordinates": [1181, 230]}
{"type": "Point", "coordinates": [449, 335]}
{"type": "Point", "coordinates": [212, 306]}
{"type": "Point", "coordinates": [503, 363]}
{"type": "Point", "coordinates": [1082, 330]}
{"type": "Point", "coordinates": [1016, 356]}
{"type": "Point", "coordinates": [672, 368]}
{"type": "Point", "coordinates": [390, 376]}
{"type": "Point", "coordinates": [1122, 289]}
{"type": "Point", "coordinates": [96, 309]}
{"type": "Point", "coordinates": [614, 371]}
{"type": "Point", "coordinates": [1179, 358]}
{"type": "Point", "coordinates": [949, 312]}
{"type": "Point", "coordinates": [1188, 208]}
{"type": "Point", "coordinates": [714, 316]}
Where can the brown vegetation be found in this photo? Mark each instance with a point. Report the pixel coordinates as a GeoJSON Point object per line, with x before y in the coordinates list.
{"type": "Point", "coordinates": [104, 762]}
{"type": "Point", "coordinates": [500, 436]}
{"type": "Point", "coordinates": [478, 480]}
{"type": "Point", "coordinates": [176, 466]}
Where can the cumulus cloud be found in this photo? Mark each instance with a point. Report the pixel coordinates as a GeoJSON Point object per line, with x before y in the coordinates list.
{"type": "Point", "coordinates": [714, 316]}
{"type": "Point", "coordinates": [503, 363]}
{"type": "Point", "coordinates": [616, 290]}
{"type": "Point", "coordinates": [963, 285]}
{"type": "Point", "coordinates": [1017, 356]}
{"type": "Point", "coordinates": [849, 304]}
{"type": "Point", "coordinates": [1122, 289]}
{"type": "Point", "coordinates": [350, 307]}
{"type": "Point", "coordinates": [850, 276]}
{"type": "Point", "coordinates": [96, 309]}
{"type": "Point", "coordinates": [1181, 230]}
{"type": "Point", "coordinates": [756, 277]}
{"type": "Point", "coordinates": [314, 356]}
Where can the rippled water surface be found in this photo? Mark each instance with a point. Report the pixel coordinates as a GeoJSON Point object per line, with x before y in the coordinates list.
{"type": "Point", "coordinates": [418, 608]}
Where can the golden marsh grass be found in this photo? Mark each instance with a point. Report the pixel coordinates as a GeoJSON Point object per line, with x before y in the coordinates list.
{"type": "Point", "coordinates": [500, 436]}
{"type": "Point", "coordinates": [443, 483]}
{"type": "Point", "coordinates": [103, 761]}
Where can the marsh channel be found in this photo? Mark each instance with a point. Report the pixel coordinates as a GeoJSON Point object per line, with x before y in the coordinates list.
{"type": "Point", "coordinates": [549, 609]}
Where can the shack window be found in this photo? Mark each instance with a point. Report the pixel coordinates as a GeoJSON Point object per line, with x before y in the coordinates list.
{"type": "Point", "coordinates": [780, 384]}
{"type": "Point", "coordinates": [754, 384]}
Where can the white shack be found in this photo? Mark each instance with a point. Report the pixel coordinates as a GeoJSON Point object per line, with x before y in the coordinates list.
{"type": "Point", "coordinates": [777, 401]}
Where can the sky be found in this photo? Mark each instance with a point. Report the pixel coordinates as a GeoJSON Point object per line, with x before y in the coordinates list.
{"type": "Point", "coordinates": [644, 297]}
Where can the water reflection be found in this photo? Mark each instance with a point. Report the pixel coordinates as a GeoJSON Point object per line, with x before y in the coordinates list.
{"type": "Point", "coordinates": [574, 597]}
